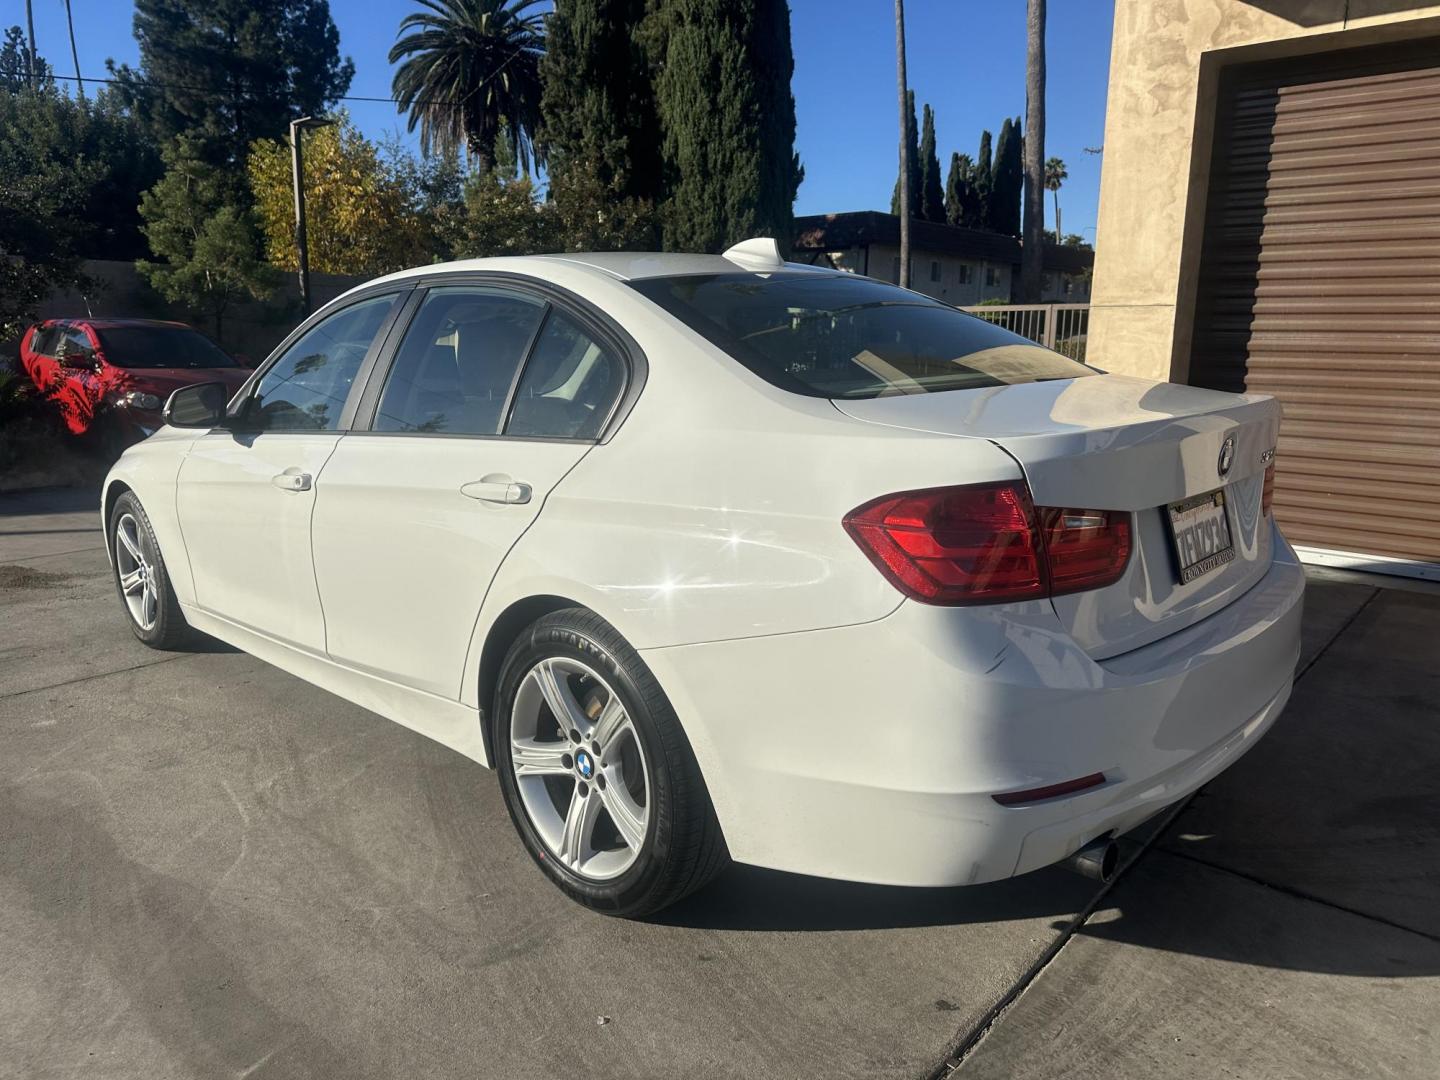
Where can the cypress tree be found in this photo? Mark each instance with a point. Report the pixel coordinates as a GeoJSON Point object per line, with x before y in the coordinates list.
{"type": "Point", "coordinates": [1008, 179]}
{"type": "Point", "coordinates": [932, 196]}
{"type": "Point", "coordinates": [982, 182]}
{"type": "Point", "coordinates": [722, 92]}
{"type": "Point", "coordinates": [912, 135]}
{"type": "Point", "coordinates": [599, 130]}
{"type": "Point", "coordinates": [957, 189]}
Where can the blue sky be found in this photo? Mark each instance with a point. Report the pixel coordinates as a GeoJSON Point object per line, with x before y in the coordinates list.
{"type": "Point", "coordinates": [966, 58]}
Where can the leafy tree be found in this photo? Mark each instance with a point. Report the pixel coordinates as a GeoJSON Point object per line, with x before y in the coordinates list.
{"type": "Point", "coordinates": [209, 243]}
{"type": "Point", "coordinates": [722, 90]}
{"type": "Point", "coordinates": [228, 72]}
{"type": "Point", "coordinates": [43, 192]}
{"type": "Point", "coordinates": [1007, 180]}
{"type": "Point", "coordinates": [503, 216]}
{"type": "Point", "coordinates": [364, 213]}
{"type": "Point", "coordinates": [932, 195]}
{"type": "Point", "coordinates": [600, 131]}
{"type": "Point", "coordinates": [915, 172]}
{"type": "Point", "coordinates": [1055, 175]}
{"type": "Point", "coordinates": [15, 64]}
{"type": "Point", "coordinates": [95, 155]}
{"type": "Point", "coordinates": [470, 70]}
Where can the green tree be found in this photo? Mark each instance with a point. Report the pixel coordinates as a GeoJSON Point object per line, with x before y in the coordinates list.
{"type": "Point", "coordinates": [210, 244]}
{"type": "Point", "coordinates": [1007, 179]}
{"type": "Point", "coordinates": [364, 213]}
{"type": "Point", "coordinates": [470, 71]}
{"type": "Point", "coordinates": [932, 195]}
{"type": "Point", "coordinates": [228, 72]}
{"type": "Point", "coordinates": [961, 205]}
{"type": "Point", "coordinates": [503, 216]}
{"type": "Point", "coordinates": [722, 90]}
{"type": "Point", "coordinates": [914, 172]}
{"type": "Point", "coordinates": [982, 182]}
{"type": "Point", "coordinates": [599, 129]}
{"type": "Point", "coordinates": [15, 63]}
{"type": "Point", "coordinates": [43, 193]}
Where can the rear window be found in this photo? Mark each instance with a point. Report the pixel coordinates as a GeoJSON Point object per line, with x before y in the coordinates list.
{"type": "Point", "coordinates": [161, 347]}
{"type": "Point", "coordinates": [837, 336]}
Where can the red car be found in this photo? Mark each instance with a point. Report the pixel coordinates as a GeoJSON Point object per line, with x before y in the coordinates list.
{"type": "Point", "coordinates": [121, 371]}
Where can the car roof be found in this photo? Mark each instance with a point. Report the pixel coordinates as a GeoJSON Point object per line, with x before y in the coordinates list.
{"type": "Point", "coordinates": [111, 324]}
{"type": "Point", "coordinates": [621, 265]}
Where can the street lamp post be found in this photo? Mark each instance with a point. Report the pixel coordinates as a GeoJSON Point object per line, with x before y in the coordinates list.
{"type": "Point", "coordinates": [298, 175]}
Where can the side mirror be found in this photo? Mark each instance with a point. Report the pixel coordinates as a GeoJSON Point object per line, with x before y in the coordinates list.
{"type": "Point", "coordinates": [198, 406]}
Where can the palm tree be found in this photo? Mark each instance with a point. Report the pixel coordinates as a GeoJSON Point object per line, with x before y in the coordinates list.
{"type": "Point", "coordinates": [1055, 175]}
{"type": "Point", "coordinates": [74, 53]}
{"type": "Point", "coordinates": [905, 111]}
{"type": "Point", "coordinates": [471, 74]}
{"type": "Point", "coordinates": [1034, 224]}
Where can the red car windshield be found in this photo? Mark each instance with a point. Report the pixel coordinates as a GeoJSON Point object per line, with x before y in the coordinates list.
{"type": "Point", "coordinates": [161, 347]}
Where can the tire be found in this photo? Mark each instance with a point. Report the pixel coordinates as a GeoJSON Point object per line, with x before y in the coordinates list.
{"type": "Point", "coordinates": [156, 619]}
{"type": "Point", "coordinates": [680, 847]}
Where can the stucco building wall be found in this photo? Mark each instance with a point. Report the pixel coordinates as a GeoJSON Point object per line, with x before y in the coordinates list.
{"type": "Point", "coordinates": [1164, 63]}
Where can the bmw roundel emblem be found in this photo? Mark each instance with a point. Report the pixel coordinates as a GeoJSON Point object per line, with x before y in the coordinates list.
{"type": "Point", "coordinates": [585, 764]}
{"type": "Point", "coordinates": [1227, 456]}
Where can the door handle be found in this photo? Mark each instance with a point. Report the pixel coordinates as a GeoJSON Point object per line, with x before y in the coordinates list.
{"type": "Point", "coordinates": [292, 480]}
{"type": "Point", "coordinates": [498, 488]}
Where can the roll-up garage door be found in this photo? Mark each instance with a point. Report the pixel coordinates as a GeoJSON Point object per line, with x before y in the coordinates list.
{"type": "Point", "coordinates": [1320, 283]}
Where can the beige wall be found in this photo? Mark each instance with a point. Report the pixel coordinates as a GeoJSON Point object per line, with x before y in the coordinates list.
{"type": "Point", "coordinates": [1164, 60]}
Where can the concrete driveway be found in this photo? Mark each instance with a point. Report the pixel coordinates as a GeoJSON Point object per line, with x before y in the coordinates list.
{"type": "Point", "coordinates": [209, 868]}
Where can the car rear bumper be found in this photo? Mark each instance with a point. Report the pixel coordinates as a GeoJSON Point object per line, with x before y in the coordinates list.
{"type": "Point", "coordinates": [874, 752]}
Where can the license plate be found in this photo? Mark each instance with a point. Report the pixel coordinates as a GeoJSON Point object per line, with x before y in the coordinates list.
{"type": "Point", "coordinates": [1200, 532]}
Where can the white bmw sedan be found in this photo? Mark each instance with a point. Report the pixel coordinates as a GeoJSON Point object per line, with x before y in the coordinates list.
{"type": "Point", "coordinates": [720, 557]}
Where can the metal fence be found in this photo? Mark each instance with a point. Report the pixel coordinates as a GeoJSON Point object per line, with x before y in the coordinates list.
{"type": "Point", "coordinates": [1062, 327]}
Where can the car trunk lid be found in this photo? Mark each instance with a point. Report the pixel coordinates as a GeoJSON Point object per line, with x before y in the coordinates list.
{"type": "Point", "coordinates": [1111, 442]}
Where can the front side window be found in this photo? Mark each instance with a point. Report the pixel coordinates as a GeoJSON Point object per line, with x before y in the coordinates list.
{"type": "Point", "coordinates": [457, 363]}
{"type": "Point", "coordinates": [838, 336]}
{"type": "Point", "coordinates": [305, 390]}
{"type": "Point", "coordinates": [569, 386]}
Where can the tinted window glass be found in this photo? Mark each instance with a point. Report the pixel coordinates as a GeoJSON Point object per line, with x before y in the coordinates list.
{"type": "Point", "coordinates": [161, 347]}
{"type": "Point", "coordinates": [75, 342]}
{"type": "Point", "coordinates": [305, 390]}
{"type": "Point", "coordinates": [45, 341]}
{"type": "Point", "coordinates": [455, 368]}
{"type": "Point", "coordinates": [838, 336]}
{"type": "Point", "coordinates": [569, 385]}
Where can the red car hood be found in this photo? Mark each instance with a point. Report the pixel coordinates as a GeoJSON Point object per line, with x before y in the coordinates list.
{"type": "Point", "coordinates": [162, 382]}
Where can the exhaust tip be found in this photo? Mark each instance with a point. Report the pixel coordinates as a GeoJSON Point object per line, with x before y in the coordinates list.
{"type": "Point", "coordinates": [1097, 860]}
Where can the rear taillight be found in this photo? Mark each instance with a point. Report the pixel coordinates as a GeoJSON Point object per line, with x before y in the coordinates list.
{"type": "Point", "coordinates": [1267, 490]}
{"type": "Point", "coordinates": [1085, 549]}
{"type": "Point", "coordinates": [987, 543]}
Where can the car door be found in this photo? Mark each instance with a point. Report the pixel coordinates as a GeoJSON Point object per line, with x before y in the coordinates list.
{"type": "Point", "coordinates": [246, 490]}
{"type": "Point", "coordinates": [494, 393]}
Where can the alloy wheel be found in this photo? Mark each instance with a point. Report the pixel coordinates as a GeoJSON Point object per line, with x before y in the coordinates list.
{"type": "Point", "coordinates": [580, 768]}
{"type": "Point", "coordinates": [137, 572]}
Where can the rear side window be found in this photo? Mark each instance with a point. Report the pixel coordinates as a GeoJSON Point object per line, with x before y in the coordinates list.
{"type": "Point", "coordinates": [837, 336]}
{"type": "Point", "coordinates": [305, 390]}
{"type": "Point", "coordinates": [46, 339]}
{"type": "Point", "coordinates": [454, 370]}
{"type": "Point", "coordinates": [569, 386]}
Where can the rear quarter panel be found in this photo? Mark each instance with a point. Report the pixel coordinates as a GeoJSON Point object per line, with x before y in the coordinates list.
{"type": "Point", "coordinates": [714, 511]}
